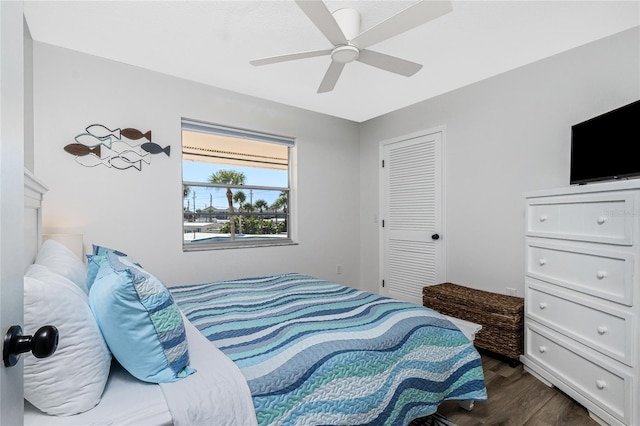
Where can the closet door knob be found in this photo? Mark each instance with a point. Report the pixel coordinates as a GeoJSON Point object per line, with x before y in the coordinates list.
{"type": "Point", "coordinates": [602, 330]}
{"type": "Point", "coordinates": [42, 344]}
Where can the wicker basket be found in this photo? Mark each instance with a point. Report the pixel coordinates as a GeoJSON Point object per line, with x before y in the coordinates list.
{"type": "Point", "coordinates": [501, 316]}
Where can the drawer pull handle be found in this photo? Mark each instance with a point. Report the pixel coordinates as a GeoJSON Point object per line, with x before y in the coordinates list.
{"type": "Point", "coordinates": [602, 330]}
{"type": "Point", "coordinates": [601, 274]}
{"type": "Point", "coordinates": [542, 262]}
{"type": "Point", "coordinates": [601, 384]}
{"type": "Point", "coordinates": [542, 305]}
{"type": "Point", "coordinates": [542, 349]}
{"type": "Point", "coordinates": [543, 218]}
{"type": "Point", "coordinates": [601, 220]}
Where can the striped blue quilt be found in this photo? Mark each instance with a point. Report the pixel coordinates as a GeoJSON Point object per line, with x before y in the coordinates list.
{"type": "Point", "coordinates": [319, 353]}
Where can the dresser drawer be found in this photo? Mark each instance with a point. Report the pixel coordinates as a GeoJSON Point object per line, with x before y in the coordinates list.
{"type": "Point", "coordinates": [604, 385]}
{"type": "Point", "coordinates": [605, 329]}
{"type": "Point", "coordinates": [602, 272]}
{"type": "Point", "coordinates": [600, 217]}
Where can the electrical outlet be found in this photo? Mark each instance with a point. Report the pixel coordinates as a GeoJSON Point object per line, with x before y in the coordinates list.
{"type": "Point", "coordinates": [338, 269]}
{"type": "Point", "coordinates": [511, 291]}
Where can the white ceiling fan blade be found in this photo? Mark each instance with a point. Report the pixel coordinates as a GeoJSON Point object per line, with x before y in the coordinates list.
{"type": "Point", "coordinates": [411, 17]}
{"type": "Point", "coordinates": [389, 63]}
{"type": "Point", "coordinates": [289, 57]}
{"type": "Point", "coordinates": [331, 77]}
{"type": "Point", "coordinates": [323, 19]}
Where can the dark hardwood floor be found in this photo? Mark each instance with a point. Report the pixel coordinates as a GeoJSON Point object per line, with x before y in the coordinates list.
{"type": "Point", "coordinates": [516, 398]}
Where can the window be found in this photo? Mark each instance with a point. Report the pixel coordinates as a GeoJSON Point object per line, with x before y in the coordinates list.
{"type": "Point", "coordinates": [236, 190]}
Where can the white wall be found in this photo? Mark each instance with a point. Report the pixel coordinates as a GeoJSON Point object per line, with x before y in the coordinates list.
{"type": "Point", "coordinates": [140, 212]}
{"type": "Point", "coordinates": [504, 136]}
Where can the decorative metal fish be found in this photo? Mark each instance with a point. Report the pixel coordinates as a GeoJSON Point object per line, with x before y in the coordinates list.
{"type": "Point", "coordinates": [123, 145]}
{"type": "Point", "coordinates": [81, 150]}
{"type": "Point", "coordinates": [135, 134]}
{"type": "Point", "coordinates": [102, 132]}
{"type": "Point", "coordinates": [123, 164]}
{"type": "Point", "coordinates": [133, 156]}
{"type": "Point", "coordinates": [92, 161]}
{"type": "Point", "coordinates": [104, 146]}
{"type": "Point", "coordinates": [89, 140]}
{"type": "Point", "coordinates": [154, 148]}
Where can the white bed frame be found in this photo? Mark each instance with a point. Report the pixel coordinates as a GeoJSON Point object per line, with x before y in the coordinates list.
{"type": "Point", "coordinates": [34, 191]}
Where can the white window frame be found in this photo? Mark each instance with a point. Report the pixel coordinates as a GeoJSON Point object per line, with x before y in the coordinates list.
{"type": "Point", "coordinates": [214, 129]}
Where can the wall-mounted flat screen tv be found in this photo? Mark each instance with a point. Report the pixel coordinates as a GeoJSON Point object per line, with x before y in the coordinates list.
{"type": "Point", "coordinates": [605, 147]}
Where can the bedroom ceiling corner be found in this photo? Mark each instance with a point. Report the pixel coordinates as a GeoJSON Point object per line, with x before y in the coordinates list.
{"type": "Point", "coordinates": [212, 42]}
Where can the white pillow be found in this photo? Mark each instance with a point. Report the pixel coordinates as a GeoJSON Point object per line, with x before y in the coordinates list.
{"type": "Point", "coordinates": [59, 259]}
{"type": "Point", "coordinates": [71, 380]}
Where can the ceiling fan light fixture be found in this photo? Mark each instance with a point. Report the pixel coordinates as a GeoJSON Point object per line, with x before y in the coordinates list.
{"type": "Point", "coordinates": [345, 54]}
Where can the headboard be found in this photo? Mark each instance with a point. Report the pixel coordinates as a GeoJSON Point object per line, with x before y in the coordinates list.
{"type": "Point", "coordinates": [33, 193]}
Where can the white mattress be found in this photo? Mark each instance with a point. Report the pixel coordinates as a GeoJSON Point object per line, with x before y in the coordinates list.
{"type": "Point", "coordinates": [216, 394]}
{"type": "Point", "coordinates": [468, 328]}
{"type": "Point", "coordinates": [125, 401]}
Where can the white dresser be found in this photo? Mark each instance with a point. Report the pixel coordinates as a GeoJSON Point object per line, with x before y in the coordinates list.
{"type": "Point", "coordinates": [582, 295]}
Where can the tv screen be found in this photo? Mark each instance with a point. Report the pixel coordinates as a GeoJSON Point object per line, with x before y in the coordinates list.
{"type": "Point", "coordinates": [604, 147]}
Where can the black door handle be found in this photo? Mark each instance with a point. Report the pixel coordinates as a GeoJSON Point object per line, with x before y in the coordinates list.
{"type": "Point", "coordinates": [42, 344]}
{"type": "Point", "coordinates": [435, 237]}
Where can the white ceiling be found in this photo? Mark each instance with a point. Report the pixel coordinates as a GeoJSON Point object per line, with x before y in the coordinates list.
{"type": "Point", "coordinates": [212, 42]}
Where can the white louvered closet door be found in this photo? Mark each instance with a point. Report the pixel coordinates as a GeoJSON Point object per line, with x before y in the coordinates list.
{"type": "Point", "coordinates": [412, 213]}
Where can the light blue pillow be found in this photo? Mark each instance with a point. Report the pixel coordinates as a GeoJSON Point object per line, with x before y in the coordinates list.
{"type": "Point", "coordinates": [93, 266]}
{"type": "Point", "coordinates": [102, 251]}
{"type": "Point", "coordinates": [94, 261]}
{"type": "Point", "coordinates": [140, 322]}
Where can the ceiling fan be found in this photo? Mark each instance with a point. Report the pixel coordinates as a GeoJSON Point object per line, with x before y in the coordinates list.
{"type": "Point", "coordinates": [342, 29]}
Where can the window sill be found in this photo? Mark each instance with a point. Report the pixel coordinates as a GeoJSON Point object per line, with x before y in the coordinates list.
{"type": "Point", "coordinates": [236, 245]}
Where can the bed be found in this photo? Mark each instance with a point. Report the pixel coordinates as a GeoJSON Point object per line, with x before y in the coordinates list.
{"type": "Point", "coordinates": [317, 352]}
{"type": "Point", "coordinates": [283, 349]}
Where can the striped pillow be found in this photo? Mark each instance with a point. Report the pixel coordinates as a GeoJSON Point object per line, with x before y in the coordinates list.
{"type": "Point", "coordinates": [99, 255]}
{"type": "Point", "coordinates": [139, 321]}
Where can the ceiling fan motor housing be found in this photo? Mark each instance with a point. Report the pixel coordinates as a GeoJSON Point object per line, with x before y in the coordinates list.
{"type": "Point", "coordinates": [349, 22]}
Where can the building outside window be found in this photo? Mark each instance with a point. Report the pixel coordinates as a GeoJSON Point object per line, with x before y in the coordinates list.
{"type": "Point", "coordinates": [236, 187]}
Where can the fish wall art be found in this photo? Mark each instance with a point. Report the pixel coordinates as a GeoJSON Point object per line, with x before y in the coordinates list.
{"type": "Point", "coordinates": [119, 149]}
